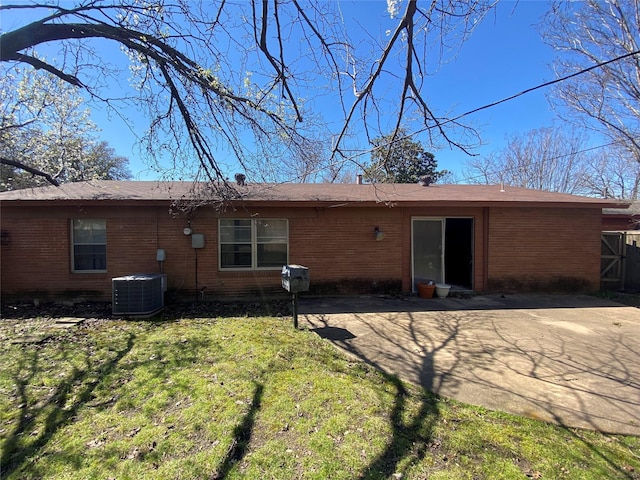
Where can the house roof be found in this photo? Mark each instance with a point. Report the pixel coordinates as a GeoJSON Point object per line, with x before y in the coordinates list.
{"type": "Point", "coordinates": [331, 194]}
{"type": "Point", "coordinates": [632, 211]}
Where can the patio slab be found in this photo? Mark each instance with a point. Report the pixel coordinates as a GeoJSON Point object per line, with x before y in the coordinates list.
{"type": "Point", "coordinates": [570, 360]}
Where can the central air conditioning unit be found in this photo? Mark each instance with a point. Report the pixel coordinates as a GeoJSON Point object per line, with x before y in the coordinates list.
{"type": "Point", "coordinates": [140, 294]}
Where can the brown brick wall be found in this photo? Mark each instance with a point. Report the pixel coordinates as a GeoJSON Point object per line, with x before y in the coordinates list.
{"type": "Point", "coordinates": [36, 249]}
{"type": "Point", "coordinates": [337, 244]}
{"type": "Point", "coordinates": [544, 249]}
{"type": "Point", "coordinates": [328, 241]}
{"type": "Point", "coordinates": [37, 257]}
{"type": "Point", "coordinates": [617, 223]}
{"type": "Point", "coordinates": [332, 243]}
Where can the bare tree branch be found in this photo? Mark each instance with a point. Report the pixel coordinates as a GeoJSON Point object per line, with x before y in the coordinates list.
{"type": "Point", "coordinates": [39, 64]}
{"type": "Point", "coordinates": [243, 79]}
{"type": "Point", "coordinates": [605, 34]}
{"type": "Point", "coordinates": [27, 168]}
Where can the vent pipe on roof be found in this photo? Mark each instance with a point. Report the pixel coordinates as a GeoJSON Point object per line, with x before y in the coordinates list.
{"type": "Point", "coordinates": [359, 179]}
{"type": "Point", "coordinates": [241, 179]}
{"type": "Point", "coordinates": [424, 180]}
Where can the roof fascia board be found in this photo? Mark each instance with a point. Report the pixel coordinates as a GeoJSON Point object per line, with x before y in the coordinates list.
{"type": "Point", "coordinates": [323, 203]}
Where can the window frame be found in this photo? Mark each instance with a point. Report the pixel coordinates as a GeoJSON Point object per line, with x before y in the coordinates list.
{"type": "Point", "coordinates": [254, 245]}
{"type": "Point", "coordinates": [74, 244]}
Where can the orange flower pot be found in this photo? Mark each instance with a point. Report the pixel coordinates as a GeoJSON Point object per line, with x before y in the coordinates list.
{"type": "Point", "coordinates": [425, 290]}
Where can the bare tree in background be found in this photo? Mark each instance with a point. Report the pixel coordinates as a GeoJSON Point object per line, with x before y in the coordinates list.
{"type": "Point", "coordinates": [611, 173]}
{"type": "Point", "coordinates": [542, 159]}
{"type": "Point", "coordinates": [556, 160]}
{"type": "Point", "coordinates": [606, 99]}
{"type": "Point", "coordinates": [221, 79]}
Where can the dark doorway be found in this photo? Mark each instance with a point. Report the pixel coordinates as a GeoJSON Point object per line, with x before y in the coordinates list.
{"type": "Point", "coordinates": [458, 247]}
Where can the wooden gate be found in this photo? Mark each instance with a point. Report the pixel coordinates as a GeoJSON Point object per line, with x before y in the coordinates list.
{"type": "Point", "coordinates": [612, 260]}
{"type": "Point", "coordinates": [632, 262]}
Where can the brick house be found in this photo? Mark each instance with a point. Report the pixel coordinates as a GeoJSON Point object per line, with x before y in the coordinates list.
{"type": "Point", "coordinates": [69, 242]}
{"type": "Point", "coordinates": [621, 219]}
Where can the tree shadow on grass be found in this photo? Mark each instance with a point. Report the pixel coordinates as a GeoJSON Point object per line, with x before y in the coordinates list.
{"type": "Point", "coordinates": [412, 347]}
{"type": "Point", "coordinates": [411, 437]}
{"type": "Point", "coordinates": [412, 428]}
{"type": "Point", "coordinates": [241, 436]}
{"type": "Point", "coordinates": [54, 411]}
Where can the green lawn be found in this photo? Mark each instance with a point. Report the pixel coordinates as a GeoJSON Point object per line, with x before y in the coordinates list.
{"type": "Point", "coordinates": [253, 398]}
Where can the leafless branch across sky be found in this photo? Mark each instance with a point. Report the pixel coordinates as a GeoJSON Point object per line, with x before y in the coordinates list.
{"type": "Point", "coordinates": [254, 81]}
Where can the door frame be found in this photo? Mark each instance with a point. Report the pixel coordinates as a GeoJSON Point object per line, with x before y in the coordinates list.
{"type": "Point", "coordinates": [443, 220]}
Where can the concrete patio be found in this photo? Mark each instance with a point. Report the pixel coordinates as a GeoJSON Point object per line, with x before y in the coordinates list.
{"type": "Point", "coordinates": [570, 360]}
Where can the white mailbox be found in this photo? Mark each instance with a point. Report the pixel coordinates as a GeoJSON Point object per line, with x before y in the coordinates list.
{"type": "Point", "coordinates": [295, 278]}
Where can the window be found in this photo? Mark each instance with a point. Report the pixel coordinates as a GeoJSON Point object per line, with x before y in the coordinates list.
{"type": "Point", "coordinates": [89, 245]}
{"type": "Point", "coordinates": [253, 244]}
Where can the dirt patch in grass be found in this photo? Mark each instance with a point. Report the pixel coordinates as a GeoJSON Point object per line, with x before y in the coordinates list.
{"type": "Point", "coordinates": [102, 310]}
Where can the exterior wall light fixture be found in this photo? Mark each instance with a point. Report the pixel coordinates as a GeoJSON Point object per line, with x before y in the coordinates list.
{"type": "Point", "coordinates": [379, 234]}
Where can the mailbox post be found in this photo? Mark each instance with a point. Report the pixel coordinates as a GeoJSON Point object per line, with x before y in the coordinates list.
{"type": "Point", "coordinates": [295, 278]}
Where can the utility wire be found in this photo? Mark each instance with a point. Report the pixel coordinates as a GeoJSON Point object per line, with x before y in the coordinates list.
{"type": "Point", "coordinates": [498, 102]}
{"type": "Point", "coordinates": [537, 87]}
{"type": "Point", "coordinates": [490, 105]}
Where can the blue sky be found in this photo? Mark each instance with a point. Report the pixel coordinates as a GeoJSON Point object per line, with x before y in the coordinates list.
{"type": "Point", "coordinates": [504, 56]}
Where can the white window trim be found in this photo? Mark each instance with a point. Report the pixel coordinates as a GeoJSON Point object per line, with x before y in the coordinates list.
{"type": "Point", "coordinates": [73, 246]}
{"type": "Point", "coordinates": [254, 247]}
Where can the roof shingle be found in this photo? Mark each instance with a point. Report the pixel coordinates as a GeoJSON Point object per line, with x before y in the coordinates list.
{"type": "Point", "coordinates": [331, 193]}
